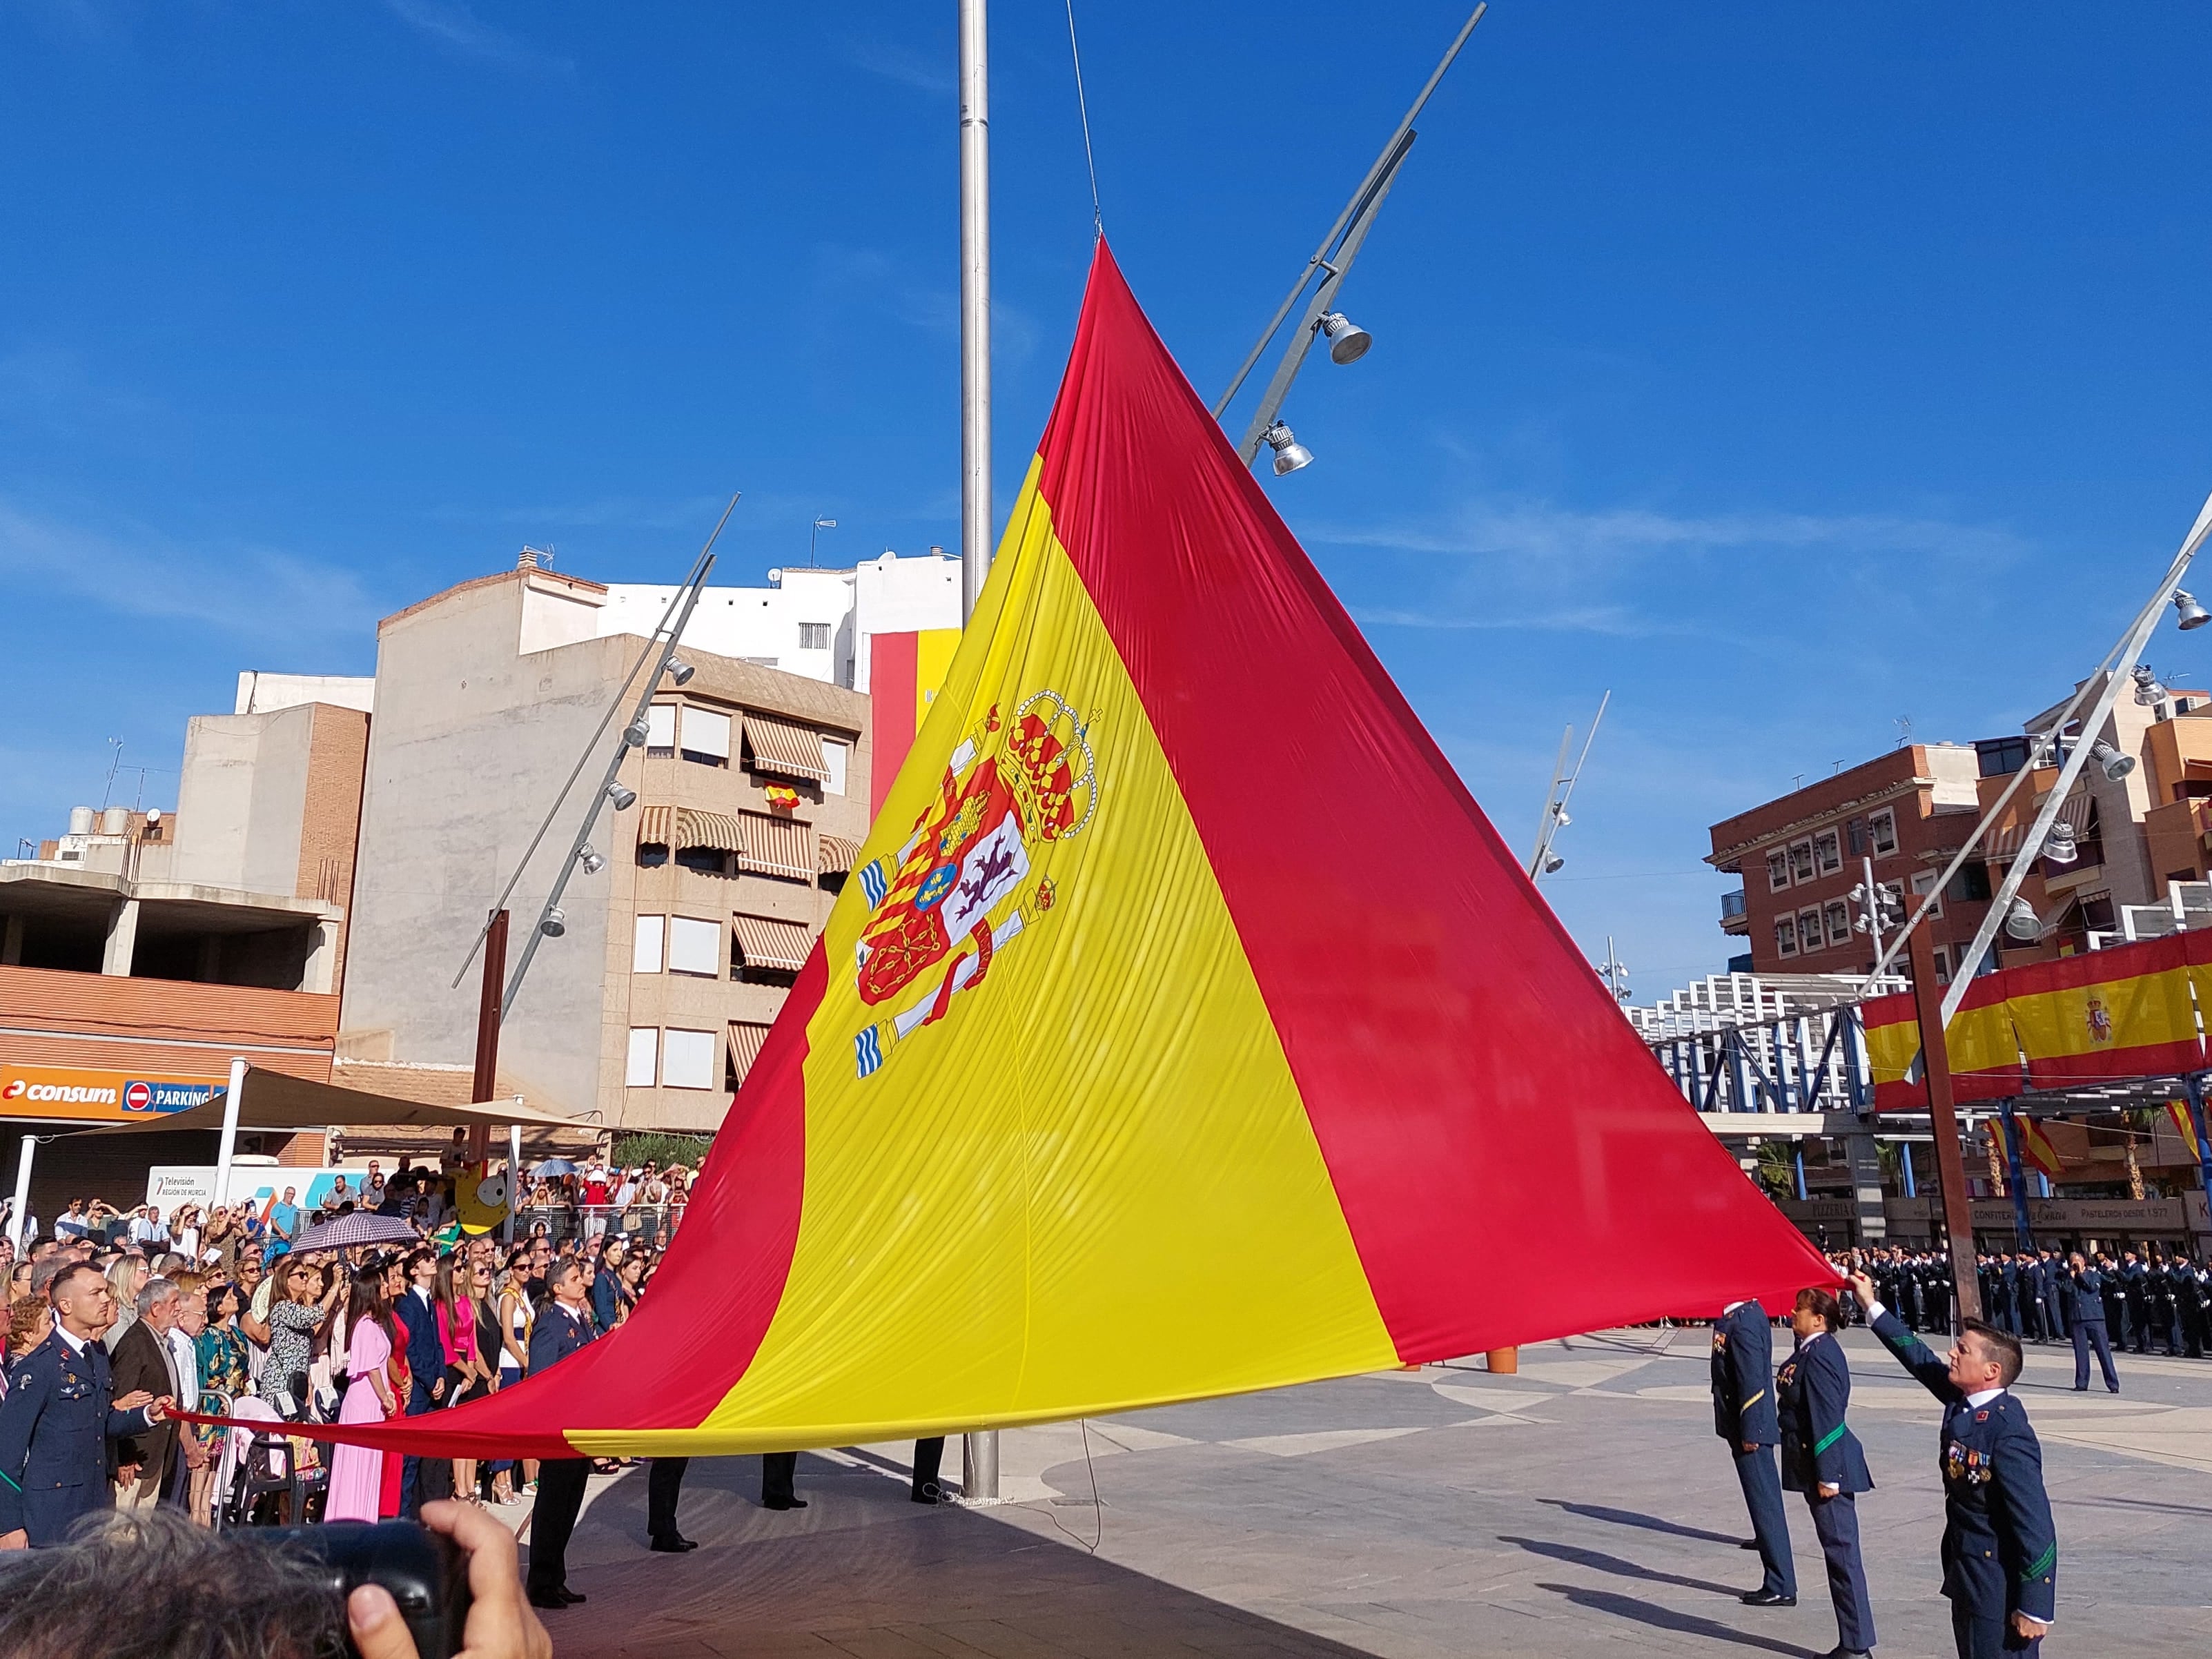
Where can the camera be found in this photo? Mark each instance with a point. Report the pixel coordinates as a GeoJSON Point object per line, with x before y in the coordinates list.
{"type": "Point", "coordinates": [426, 1572]}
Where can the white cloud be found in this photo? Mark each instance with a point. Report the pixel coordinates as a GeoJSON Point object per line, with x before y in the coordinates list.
{"type": "Point", "coordinates": [904, 64]}
{"type": "Point", "coordinates": [459, 31]}
{"type": "Point", "coordinates": [239, 588]}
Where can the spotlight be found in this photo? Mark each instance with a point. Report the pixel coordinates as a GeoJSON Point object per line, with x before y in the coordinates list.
{"type": "Point", "coordinates": [591, 861]}
{"type": "Point", "coordinates": [2148, 692]}
{"type": "Point", "coordinates": [2021, 921]}
{"type": "Point", "coordinates": [623, 799]}
{"type": "Point", "coordinates": [2059, 845]}
{"type": "Point", "coordinates": [553, 924]}
{"type": "Point", "coordinates": [1553, 864]}
{"type": "Point", "coordinates": [680, 671]}
{"type": "Point", "coordinates": [1289, 453]}
{"type": "Point", "coordinates": [2114, 765]}
{"type": "Point", "coordinates": [2193, 614]}
{"type": "Point", "coordinates": [637, 732]}
{"type": "Point", "coordinates": [1347, 340]}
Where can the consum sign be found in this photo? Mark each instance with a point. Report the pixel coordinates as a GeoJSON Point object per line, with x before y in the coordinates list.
{"type": "Point", "coordinates": [66, 1092]}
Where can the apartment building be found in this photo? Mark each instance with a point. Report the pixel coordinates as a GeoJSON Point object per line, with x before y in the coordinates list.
{"type": "Point", "coordinates": [1909, 812]}
{"type": "Point", "coordinates": [680, 939]}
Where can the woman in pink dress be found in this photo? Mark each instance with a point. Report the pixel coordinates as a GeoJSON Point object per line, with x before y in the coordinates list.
{"type": "Point", "coordinates": [357, 1471]}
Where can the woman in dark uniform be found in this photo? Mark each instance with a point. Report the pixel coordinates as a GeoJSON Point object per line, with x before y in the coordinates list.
{"type": "Point", "coordinates": [1822, 1458]}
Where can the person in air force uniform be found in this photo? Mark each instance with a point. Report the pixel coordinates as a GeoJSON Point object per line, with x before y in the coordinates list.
{"type": "Point", "coordinates": [2000, 1547]}
{"type": "Point", "coordinates": [1822, 1458]}
{"type": "Point", "coordinates": [1743, 1415]}
{"type": "Point", "coordinates": [58, 1417]}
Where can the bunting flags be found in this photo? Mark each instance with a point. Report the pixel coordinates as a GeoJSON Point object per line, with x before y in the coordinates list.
{"type": "Point", "coordinates": [1133, 1068]}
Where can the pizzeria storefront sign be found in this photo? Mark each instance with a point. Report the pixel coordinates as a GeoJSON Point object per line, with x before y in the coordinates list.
{"type": "Point", "coordinates": [74, 1096]}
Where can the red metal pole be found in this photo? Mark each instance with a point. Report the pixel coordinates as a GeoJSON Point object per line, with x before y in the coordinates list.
{"type": "Point", "coordinates": [1943, 1121]}
{"type": "Point", "coordinates": [486, 1082]}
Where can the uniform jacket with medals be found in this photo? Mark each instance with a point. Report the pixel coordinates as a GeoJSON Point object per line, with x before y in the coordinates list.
{"type": "Point", "coordinates": [2000, 1547]}
{"type": "Point", "coordinates": [1813, 1389]}
{"type": "Point", "coordinates": [1743, 1378]}
{"type": "Point", "coordinates": [55, 1427]}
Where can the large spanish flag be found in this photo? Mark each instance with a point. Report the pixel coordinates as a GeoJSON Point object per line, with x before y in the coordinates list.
{"type": "Point", "coordinates": [1143, 1059]}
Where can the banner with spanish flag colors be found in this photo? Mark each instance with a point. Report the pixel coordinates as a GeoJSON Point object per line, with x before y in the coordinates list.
{"type": "Point", "coordinates": [1139, 1066]}
{"type": "Point", "coordinates": [2127, 1011]}
{"type": "Point", "coordinates": [2177, 1110]}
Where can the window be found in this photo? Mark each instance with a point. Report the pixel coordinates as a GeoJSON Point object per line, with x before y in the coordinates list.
{"type": "Point", "coordinates": [1856, 837]}
{"type": "Point", "coordinates": [706, 736]}
{"type": "Point", "coordinates": [1827, 852]}
{"type": "Point", "coordinates": [1785, 936]}
{"type": "Point", "coordinates": [1808, 929]}
{"type": "Point", "coordinates": [707, 860]}
{"type": "Point", "coordinates": [1800, 860]}
{"type": "Point", "coordinates": [814, 636]}
{"type": "Point", "coordinates": [688, 1061]}
{"type": "Point", "coordinates": [1881, 830]}
{"type": "Point", "coordinates": [644, 1057]}
{"type": "Point", "coordinates": [1839, 924]}
{"type": "Point", "coordinates": [1777, 872]}
{"type": "Point", "coordinates": [833, 762]}
{"type": "Point", "coordinates": [1970, 885]}
{"type": "Point", "coordinates": [1942, 968]}
{"type": "Point", "coordinates": [650, 854]}
{"type": "Point", "coordinates": [1999, 758]}
{"type": "Point", "coordinates": [695, 946]}
{"type": "Point", "coordinates": [660, 731]}
{"type": "Point", "coordinates": [1923, 884]}
{"type": "Point", "coordinates": [645, 950]}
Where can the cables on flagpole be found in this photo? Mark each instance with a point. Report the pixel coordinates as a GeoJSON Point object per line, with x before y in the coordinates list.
{"type": "Point", "coordinates": [1083, 110]}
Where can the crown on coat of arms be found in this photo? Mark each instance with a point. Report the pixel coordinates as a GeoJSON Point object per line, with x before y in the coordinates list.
{"type": "Point", "coordinates": [1047, 765]}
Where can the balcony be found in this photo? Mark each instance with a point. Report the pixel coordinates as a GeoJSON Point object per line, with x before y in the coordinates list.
{"type": "Point", "coordinates": [1736, 919]}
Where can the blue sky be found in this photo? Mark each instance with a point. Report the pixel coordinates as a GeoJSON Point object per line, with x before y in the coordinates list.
{"type": "Point", "coordinates": [1786, 371]}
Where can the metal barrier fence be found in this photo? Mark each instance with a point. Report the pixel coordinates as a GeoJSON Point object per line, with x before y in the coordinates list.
{"type": "Point", "coordinates": [651, 1224]}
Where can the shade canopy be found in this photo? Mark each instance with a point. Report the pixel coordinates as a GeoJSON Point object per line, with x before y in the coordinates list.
{"type": "Point", "coordinates": [277, 1101]}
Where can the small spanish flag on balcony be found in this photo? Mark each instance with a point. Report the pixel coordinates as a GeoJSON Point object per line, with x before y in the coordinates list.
{"type": "Point", "coordinates": [782, 800]}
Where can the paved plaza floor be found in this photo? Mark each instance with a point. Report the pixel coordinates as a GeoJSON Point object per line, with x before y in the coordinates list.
{"type": "Point", "coordinates": [1583, 1506]}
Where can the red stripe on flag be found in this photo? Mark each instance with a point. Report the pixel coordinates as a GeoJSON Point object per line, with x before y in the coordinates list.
{"type": "Point", "coordinates": [1470, 1082]}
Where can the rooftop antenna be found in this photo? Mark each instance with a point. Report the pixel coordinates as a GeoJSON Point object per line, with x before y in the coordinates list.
{"type": "Point", "coordinates": [819, 524]}
{"type": "Point", "coordinates": [1544, 861]}
{"type": "Point", "coordinates": [114, 761]}
{"type": "Point", "coordinates": [1905, 731]}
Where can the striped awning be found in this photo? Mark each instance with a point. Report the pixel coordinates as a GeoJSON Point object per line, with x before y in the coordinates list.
{"type": "Point", "coordinates": [765, 942]}
{"type": "Point", "coordinates": [2074, 812]}
{"type": "Point", "coordinates": [680, 827]}
{"type": "Point", "coordinates": [746, 1040]}
{"type": "Point", "coordinates": [774, 846]}
{"type": "Point", "coordinates": [834, 855]}
{"type": "Point", "coordinates": [779, 746]}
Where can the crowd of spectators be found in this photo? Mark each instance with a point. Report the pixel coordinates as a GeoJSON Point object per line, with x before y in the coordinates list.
{"type": "Point", "coordinates": [220, 1312]}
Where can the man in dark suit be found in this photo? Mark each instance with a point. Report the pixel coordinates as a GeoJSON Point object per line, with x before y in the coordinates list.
{"type": "Point", "coordinates": [2000, 1547]}
{"type": "Point", "coordinates": [2087, 1324]}
{"type": "Point", "coordinates": [422, 1479]}
{"type": "Point", "coordinates": [144, 1361]}
{"type": "Point", "coordinates": [58, 1417]}
{"type": "Point", "coordinates": [1743, 1415]}
{"type": "Point", "coordinates": [664, 1485]}
{"type": "Point", "coordinates": [563, 1326]}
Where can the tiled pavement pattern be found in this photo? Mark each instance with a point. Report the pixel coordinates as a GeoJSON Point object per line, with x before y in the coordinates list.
{"type": "Point", "coordinates": [1582, 1507]}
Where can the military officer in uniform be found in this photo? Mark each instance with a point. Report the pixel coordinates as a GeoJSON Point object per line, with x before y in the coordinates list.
{"type": "Point", "coordinates": [1743, 1415]}
{"type": "Point", "coordinates": [2000, 1547]}
{"type": "Point", "coordinates": [2086, 1323]}
{"type": "Point", "coordinates": [2133, 1275]}
{"type": "Point", "coordinates": [58, 1417]}
{"type": "Point", "coordinates": [1822, 1458]}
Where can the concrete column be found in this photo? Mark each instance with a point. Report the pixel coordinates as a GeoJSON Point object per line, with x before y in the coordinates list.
{"type": "Point", "coordinates": [1865, 1156]}
{"type": "Point", "coordinates": [321, 969]}
{"type": "Point", "coordinates": [122, 939]}
{"type": "Point", "coordinates": [11, 944]}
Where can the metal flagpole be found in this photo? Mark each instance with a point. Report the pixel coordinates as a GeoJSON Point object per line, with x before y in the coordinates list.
{"type": "Point", "coordinates": [975, 305]}
{"type": "Point", "coordinates": [980, 1474]}
{"type": "Point", "coordinates": [229, 1144]}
